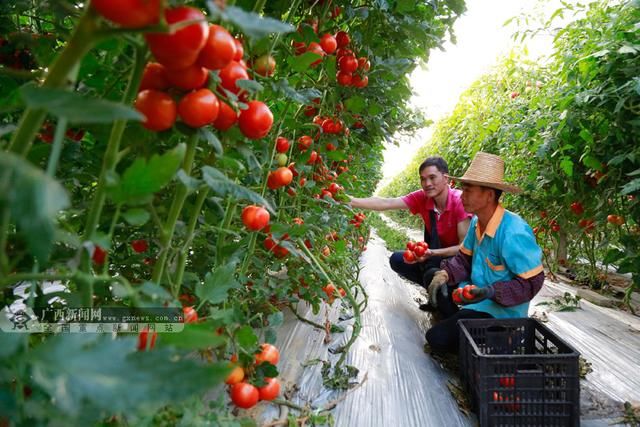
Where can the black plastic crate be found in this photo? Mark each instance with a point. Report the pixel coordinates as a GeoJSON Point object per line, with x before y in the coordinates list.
{"type": "Point", "coordinates": [519, 373]}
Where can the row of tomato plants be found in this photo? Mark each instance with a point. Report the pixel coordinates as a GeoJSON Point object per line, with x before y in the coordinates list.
{"type": "Point", "coordinates": [175, 155]}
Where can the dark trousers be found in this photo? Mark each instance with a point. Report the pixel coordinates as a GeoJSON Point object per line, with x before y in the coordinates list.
{"type": "Point", "coordinates": [445, 336]}
{"type": "Point", "coordinates": [422, 274]}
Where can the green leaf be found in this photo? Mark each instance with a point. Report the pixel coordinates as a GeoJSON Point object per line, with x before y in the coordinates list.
{"type": "Point", "coordinates": [142, 179]}
{"type": "Point", "coordinates": [75, 107]}
{"type": "Point", "coordinates": [355, 104]}
{"type": "Point", "coordinates": [275, 319]}
{"type": "Point", "coordinates": [192, 184]}
{"type": "Point", "coordinates": [221, 185]}
{"type": "Point", "coordinates": [194, 336]}
{"type": "Point", "coordinates": [567, 166]}
{"type": "Point", "coordinates": [591, 162]}
{"type": "Point", "coordinates": [246, 338]}
{"type": "Point", "coordinates": [110, 376]}
{"type": "Point", "coordinates": [217, 284]}
{"type": "Point", "coordinates": [302, 96]}
{"type": "Point", "coordinates": [300, 63]}
{"type": "Point", "coordinates": [212, 140]}
{"type": "Point", "coordinates": [34, 200]}
{"type": "Point", "coordinates": [403, 6]}
{"type": "Point", "coordinates": [155, 292]}
{"type": "Point", "coordinates": [137, 216]}
{"type": "Point", "coordinates": [250, 86]}
{"type": "Point", "coordinates": [631, 187]}
{"type": "Point", "coordinates": [250, 23]}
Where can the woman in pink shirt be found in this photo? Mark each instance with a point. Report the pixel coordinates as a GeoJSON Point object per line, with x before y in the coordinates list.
{"type": "Point", "coordinates": [446, 223]}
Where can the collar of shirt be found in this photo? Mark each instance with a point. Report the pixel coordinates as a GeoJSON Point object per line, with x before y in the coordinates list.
{"type": "Point", "coordinates": [493, 224]}
{"type": "Point", "coordinates": [431, 204]}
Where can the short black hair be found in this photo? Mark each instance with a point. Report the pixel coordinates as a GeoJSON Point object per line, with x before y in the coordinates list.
{"type": "Point", "coordinates": [496, 194]}
{"type": "Point", "coordinates": [436, 161]}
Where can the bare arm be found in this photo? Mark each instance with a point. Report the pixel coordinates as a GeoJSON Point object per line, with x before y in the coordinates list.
{"type": "Point", "coordinates": [378, 203]}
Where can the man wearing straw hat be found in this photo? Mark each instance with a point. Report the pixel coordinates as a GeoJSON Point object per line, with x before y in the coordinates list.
{"type": "Point", "coordinates": [499, 255]}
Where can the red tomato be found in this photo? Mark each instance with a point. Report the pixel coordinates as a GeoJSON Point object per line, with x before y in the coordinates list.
{"type": "Point", "coordinates": [304, 142]}
{"type": "Point", "coordinates": [317, 49]}
{"type": "Point", "coordinates": [282, 176]}
{"type": "Point", "coordinates": [577, 208]}
{"type": "Point", "coordinates": [271, 390]}
{"type": "Point", "coordinates": [219, 49]}
{"type": "Point", "coordinates": [99, 255]}
{"type": "Point", "coordinates": [508, 381]}
{"type": "Point", "coordinates": [269, 354]}
{"type": "Point", "coordinates": [179, 49]}
{"type": "Point", "coordinates": [408, 256]}
{"type": "Point", "coordinates": [139, 246]}
{"type": "Point", "coordinates": [190, 314]}
{"type": "Point", "coordinates": [358, 81]}
{"type": "Point", "coordinates": [364, 64]}
{"type": "Point", "coordinates": [255, 122]}
{"type": "Point", "coordinates": [142, 339]}
{"type": "Point", "coordinates": [154, 77]}
{"type": "Point", "coordinates": [348, 64]}
{"type": "Point", "coordinates": [420, 250]}
{"type": "Point", "coordinates": [199, 108]}
{"type": "Point", "coordinates": [330, 147]}
{"type": "Point", "coordinates": [411, 246]}
{"type": "Point", "coordinates": [466, 292]}
{"type": "Point", "coordinates": [255, 217]}
{"type": "Point", "coordinates": [239, 50]}
{"type": "Point", "coordinates": [313, 158]}
{"type": "Point", "coordinates": [74, 134]}
{"type": "Point", "coordinates": [264, 65]}
{"type": "Point", "coordinates": [158, 108]}
{"type": "Point", "coordinates": [236, 375]}
{"type": "Point", "coordinates": [344, 78]}
{"type": "Point", "coordinates": [230, 74]}
{"type": "Point", "coordinates": [328, 43]}
{"type": "Point", "coordinates": [192, 77]}
{"type": "Point", "coordinates": [282, 144]}
{"type": "Point", "coordinates": [330, 290]}
{"type": "Point", "coordinates": [244, 395]}
{"type": "Point", "coordinates": [227, 117]}
{"type": "Point", "coordinates": [129, 13]}
{"type": "Point", "coordinates": [334, 188]}
{"type": "Point", "coordinates": [456, 296]}
{"type": "Point", "coordinates": [342, 38]}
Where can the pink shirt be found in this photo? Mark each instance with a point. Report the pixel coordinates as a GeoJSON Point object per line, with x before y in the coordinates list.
{"type": "Point", "coordinates": [447, 221]}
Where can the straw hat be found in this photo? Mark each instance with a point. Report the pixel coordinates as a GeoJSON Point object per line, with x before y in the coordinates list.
{"type": "Point", "coordinates": [487, 170]}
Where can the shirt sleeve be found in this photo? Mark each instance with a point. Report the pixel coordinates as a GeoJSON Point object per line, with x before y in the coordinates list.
{"type": "Point", "coordinates": [521, 253]}
{"type": "Point", "coordinates": [518, 290]}
{"type": "Point", "coordinates": [469, 242]}
{"type": "Point", "coordinates": [414, 201]}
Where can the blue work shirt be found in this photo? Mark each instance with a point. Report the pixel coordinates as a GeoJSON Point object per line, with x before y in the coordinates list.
{"type": "Point", "coordinates": [507, 249]}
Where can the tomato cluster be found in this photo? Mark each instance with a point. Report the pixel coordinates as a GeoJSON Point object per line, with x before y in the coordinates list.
{"type": "Point", "coordinates": [243, 393]}
{"type": "Point", "coordinates": [414, 251]}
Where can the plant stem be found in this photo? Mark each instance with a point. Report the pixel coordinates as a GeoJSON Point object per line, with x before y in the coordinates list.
{"type": "Point", "coordinates": [228, 214]}
{"type": "Point", "coordinates": [182, 259]}
{"type": "Point", "coordinates": [176, 207]}
{"type": "Point", "coordinates": [82, 40]}
{"type": "Point", "coordinates": [110, 159]}
{"type": "Point", "coordinates": [114, 221]}
{"type": "Point", "coordinates": [56, 150]}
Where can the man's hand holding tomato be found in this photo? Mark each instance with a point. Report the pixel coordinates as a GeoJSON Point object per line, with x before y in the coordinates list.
{"type": "Point", "coordinates": [472, 294]}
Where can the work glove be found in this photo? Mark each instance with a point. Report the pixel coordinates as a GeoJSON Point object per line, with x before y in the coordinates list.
{"type": "Point", "coordinates": [477, 294]}
{"type": "Point", "coordinates": [440, 279]}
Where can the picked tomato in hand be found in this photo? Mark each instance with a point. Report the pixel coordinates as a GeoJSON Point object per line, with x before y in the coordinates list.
{"type": "Point", "coordinates": [408, 256]}
{"type": "Point", "coordinates": [456, 296]}
{"type": "Point", "coordinates": [466, 292]}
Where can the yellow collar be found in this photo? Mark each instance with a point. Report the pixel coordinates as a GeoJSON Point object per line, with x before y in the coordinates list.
{"type": "Point", "coordinates": [493, 224]}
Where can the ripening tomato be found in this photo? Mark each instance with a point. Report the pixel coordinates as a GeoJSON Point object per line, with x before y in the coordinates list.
{"type": "Point", "coordinates": [344, 78]}
{"type": "Point", "coordinates": [313, 158]}
{"type": "Point", "coordinates": [325, 251]}
{"type": "Point", "coordinates": [255, 217]}
{"type": "Point", "coordinates": [304, 142]}
{"type": "Point", "coordinates": [358, 81]}
{"type": "Point", "coordinates": [269, 353]}
{"type": "Point", "coordinates": [330, 290]}
{"type": "Point", "coordinates": [282, 144]}
{"type": "Point", "coordinates": [342, 38]}
{"type": "Point", "coordinates": [154, 77]}
{"type": "Point", "coordinates": [328, 43]}
{"type": "Point", "coordinates": [236, 375]}
{"type": "Point", "coordinates": [577, 208]}
{"type": "Point", "coordinates": [244, 395]}
{"type": "Point", "coordinates": [219, 50]}
{"type": "Point", "coordinates": [364, 64]}
{"type": "Point", "coordinates": [334, 187]}
{"type": "Point", "coordinates": [317, 49]}
{"type": "Point", "coordinates": [348, 64]}
{"type": "Point", "coordinates": [143, 336]}
{"type": "Point", "coordinates": [158, 108]}
{"type": "Point", "coordinates": [199, 108]}
{"type": "Point", "coordinates": [456, 296]}
{"type": "Point", "coordinates": [99, 255]}
{"type": "Point", "coordinates": [129, 13]}
{"type": "Point", "coordinates": [192, 77]}
{"type": "Point", "coordinates": [255, 122]}
{"type": "Point", "coordinates": [265, 65]}
{"type": "Point", "coordinates": [420, 251]}
{"type": "Point", "coordinates": [180, 48]}
{"type": "Point", "coordinates": [227, 117]}
{"type": "Point", "coordinates": [233, 72]}
{"type": "Point", "coordinates": [271, 390]}
{"type": "Point", "coordinates": [282, 176]}
{"type": "Point", "coordinates": [139, 246]}
{"type": "Point", "coordinates": [190, 314]}
{"type": "Point", "coordinates": [411, 245]}
{"type": "Point", "coordinates": [466, 292]}
{"type": "Point", "coordinates": [239, 50]}
{"type": "Point", "coordinates": [408, 256]}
